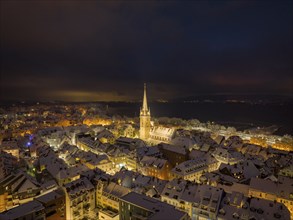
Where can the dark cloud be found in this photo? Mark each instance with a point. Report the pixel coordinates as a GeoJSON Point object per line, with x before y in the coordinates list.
{"type": "Point", "coordinates": [106, 50]}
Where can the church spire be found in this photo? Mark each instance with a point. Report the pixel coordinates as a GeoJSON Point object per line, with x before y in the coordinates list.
{"type": "Point", "coordinates": [145, 103]}
{"type": "Point", "coordinates": [145, 118]}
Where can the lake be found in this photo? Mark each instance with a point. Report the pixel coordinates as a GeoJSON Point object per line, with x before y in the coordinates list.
{"type": "Point", "coordinates": [239, 115]}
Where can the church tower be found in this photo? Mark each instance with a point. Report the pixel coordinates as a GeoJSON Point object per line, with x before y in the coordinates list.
{"type": "Point", "coordinates": [145, 118]}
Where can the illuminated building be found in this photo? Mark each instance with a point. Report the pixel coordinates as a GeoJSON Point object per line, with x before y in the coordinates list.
{"type": "Point", "coordinates": [145, 118]}
{"type": "Point", "coordinates": [238, 206]}
{"type": "Point", "coordinates": [10, 146]}
{"type": "Point", "coordinates": [173, 192]}
{"type": "Point", "coordinates": [206, 203]}
{"type": "Point", "coordinates": [101, 182]}
{"type": "Point", "coordinates": [7, 164]}
{"type": "Point", "coordinates": [57, 167]}
{"type": "Point", "coordinates": [30, 210]}
{"type": "Point", "coordinates": [162, 134]}
{"type": "Point", "coordinates": [131, 161]}
{"type": "Point", "coordinates": [193, 169]}
{"type": "Point", "coordinates": [174, 154]}
{"type": "Point", "coordinates": [16, 189]}
{"type": "Point", "coordinates": [56, 139]}
{"type": "Point", "coordinates": [147, 132]}
{"type": "Point", "coordinates": [152, 166]}
{"type": "Point", "coordinates": [203, 202]}
{"type": "Point", "coordinates": [87, 143]}
{"type": "Point", "coordinates": [280, 191]}
{"type": "Point", "coordinates": [13, 151]}
{"type": "Point", "coordinates": [110, 201]}
{"type": "Point", "coordinates": [137, 206]}
{"type": "Point", "coordinates": [287, 171]}
{"type": "Point", "coordinates": [117, 156]}
{"type": "Point", "coordinates": [98, 161]}
{"type": "Point", "coordinates": [54, 203]}
{"type": "Point", "coordinates": [105, 136]}
{"type": "Point", "coordinates": [227, 156]}
{"type": "Point", "coordinates": [80, 198]}
{"type": "Point", "coordinates": [130, 143]}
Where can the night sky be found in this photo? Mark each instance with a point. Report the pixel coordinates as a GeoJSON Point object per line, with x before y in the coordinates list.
{"type": "Point", "coordinates": [91, 51]}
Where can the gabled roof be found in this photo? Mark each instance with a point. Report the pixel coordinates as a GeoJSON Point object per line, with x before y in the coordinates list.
{"type": "Point", "coordinates": [116, 190]}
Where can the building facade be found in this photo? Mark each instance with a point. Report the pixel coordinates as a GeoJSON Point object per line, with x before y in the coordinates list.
{"type": "Point", "coordinates": [80, 199]}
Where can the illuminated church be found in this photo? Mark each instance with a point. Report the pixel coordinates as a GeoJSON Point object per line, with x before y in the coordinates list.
{"type": "Point", "coordinates": [152, 133]}
{"type": "Point", "coordinates": [145, 118]}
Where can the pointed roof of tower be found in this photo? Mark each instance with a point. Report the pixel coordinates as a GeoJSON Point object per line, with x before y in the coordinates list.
{"type": "Point", "coordinates": [145, 104]}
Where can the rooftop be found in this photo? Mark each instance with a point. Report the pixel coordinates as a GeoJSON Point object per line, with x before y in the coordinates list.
{"type": "Point", "coordinates": [22, 210]}
{"type": "Point", "coordinates": [159, 209]}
